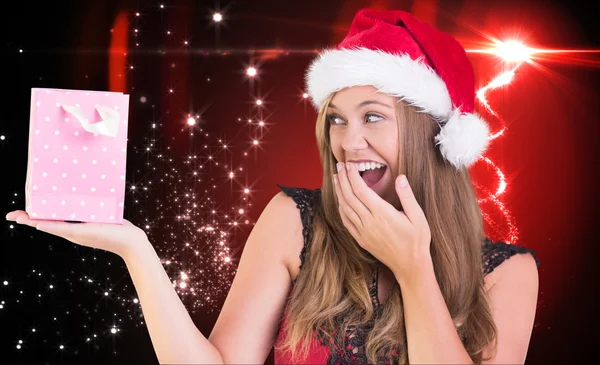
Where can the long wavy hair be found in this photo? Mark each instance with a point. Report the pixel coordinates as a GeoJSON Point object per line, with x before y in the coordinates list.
{"type": "Point", "coordinates": [331, 291]}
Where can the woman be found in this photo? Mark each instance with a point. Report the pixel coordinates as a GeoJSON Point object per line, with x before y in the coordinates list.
{"type": "Point", "coordinates": [387, 262]}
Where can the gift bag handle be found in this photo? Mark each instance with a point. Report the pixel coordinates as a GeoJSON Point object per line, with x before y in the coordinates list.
{"type": "Point", "coordinates": [108, 126]}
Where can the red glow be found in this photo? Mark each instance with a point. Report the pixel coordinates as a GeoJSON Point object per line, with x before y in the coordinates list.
{"type": "Point", "coordinates": [117, 54]}
{"type": "Point", "coordinates": [515, 53]}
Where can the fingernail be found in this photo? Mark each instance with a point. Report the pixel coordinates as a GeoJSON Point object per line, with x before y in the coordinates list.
{"type": "Point", "coordinates": [335, 178]}
{"type": "Point", "coordinates": [403, 181]}
{"type": "Point", "coordinates": [339, 166]}
{"type": "Point", "coordinates": [348, 167]}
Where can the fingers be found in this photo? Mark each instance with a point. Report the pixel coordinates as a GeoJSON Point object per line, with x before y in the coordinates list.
{"type": "Point", "coordinates": [12, 216]}
{"type": "Point", "coordinates": [349, 197]}
{"type": "Point", "coordinates": [350, 226]}
{"type": "Point", "coordinates": [411, 207]}
{"type": "Point", "coordinates": [24, 219]}
{"type": "Point", "coordinates": [344, 208]}
{"type": "Point", "coordinates": [119, 239]}
{"type": "Point", "coordinates": [361, 190]}
{"type": "Point", "coordinates": [65, 230]}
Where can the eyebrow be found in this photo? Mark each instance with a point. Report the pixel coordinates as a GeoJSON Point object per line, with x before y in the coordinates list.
{"type": "Point", "coordinates": [366, 102]}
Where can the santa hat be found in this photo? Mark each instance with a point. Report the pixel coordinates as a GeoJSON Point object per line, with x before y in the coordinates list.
{"type": "Point", "coordinates": [405, 57]}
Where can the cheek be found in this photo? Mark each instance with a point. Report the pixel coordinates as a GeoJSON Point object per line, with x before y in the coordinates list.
{"type": "Point", "coordinates": [388, 149]}
{"type": "Point", "coordinates": [336, 145]}
{"type": "Point", "coordinates": [387, 146]}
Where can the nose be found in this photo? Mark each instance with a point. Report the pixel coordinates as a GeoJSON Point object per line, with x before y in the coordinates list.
{"type": "Point", "coordinates": [354, 139]}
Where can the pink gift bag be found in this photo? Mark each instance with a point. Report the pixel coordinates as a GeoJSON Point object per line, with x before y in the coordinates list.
{"type": "Point", "coordinates": [77, 155]}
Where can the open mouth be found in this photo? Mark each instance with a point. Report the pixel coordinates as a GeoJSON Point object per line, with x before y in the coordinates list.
{"type": "Point", "coordinates": [372, 176]}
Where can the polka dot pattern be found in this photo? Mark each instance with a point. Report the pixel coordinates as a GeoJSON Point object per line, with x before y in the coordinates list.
{"type": "Point", "coordinates": [72, 174]}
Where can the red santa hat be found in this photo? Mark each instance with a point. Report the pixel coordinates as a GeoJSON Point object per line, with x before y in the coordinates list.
{"type": "Point", "coordinates": [405, 57]}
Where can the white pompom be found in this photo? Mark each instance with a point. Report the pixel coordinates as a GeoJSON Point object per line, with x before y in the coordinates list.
{"type": "Point", "coordinates": [463, 138]}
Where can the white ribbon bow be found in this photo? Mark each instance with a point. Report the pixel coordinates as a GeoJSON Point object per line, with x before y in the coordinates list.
{"type": "Point", "coordinates": [108, 126]}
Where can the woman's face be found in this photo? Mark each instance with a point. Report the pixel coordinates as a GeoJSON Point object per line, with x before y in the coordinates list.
{"type": "Point", "coordinates": [363, 127]}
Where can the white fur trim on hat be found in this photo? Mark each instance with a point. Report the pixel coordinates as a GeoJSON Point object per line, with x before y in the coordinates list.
{"type": "Point", "coordinates": [463, 136]}
{"type": "Point", "coordinates": [396, 75]}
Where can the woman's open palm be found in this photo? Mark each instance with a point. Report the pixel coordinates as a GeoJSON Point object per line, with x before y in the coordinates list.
{"type": "Point", "coordinates": [115, 238]}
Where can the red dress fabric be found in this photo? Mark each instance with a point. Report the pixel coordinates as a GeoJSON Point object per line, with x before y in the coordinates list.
{"type": "Point", "coordinates": [318, 354]}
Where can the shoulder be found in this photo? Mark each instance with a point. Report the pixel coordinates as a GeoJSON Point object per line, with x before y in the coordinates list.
{"type": "Point", "coordinates": [282, 212]}
{"type": "Point", "coordinates": [502, 261]}
{"type": "Point", "coordinates": [513, 298]}
{"type": "Point", "coordinates": [294, 205]}
{"type": "Point", "coordinates": [304, 201]}
{"type": "Point", "coordinates": [303, 197]}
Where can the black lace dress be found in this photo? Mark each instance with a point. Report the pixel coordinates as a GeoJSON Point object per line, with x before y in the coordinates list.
{"type": "Point", "coordinates": [351, 349]}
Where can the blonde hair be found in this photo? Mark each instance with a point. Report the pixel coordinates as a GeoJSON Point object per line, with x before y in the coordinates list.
{"type": "Point", "coordinates": [333, 280]}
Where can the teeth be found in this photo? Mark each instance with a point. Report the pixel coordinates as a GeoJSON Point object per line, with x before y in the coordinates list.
{"type": "Point", "coordinates": [368, 166]}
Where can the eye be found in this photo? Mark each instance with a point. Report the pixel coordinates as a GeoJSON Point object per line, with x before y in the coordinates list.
{"type": "Point", "coordinates": [371, 118]}
{"type": "Point", "coordinates": [369, 115]}
{"type": "Point", "coordinates": [331, 119]}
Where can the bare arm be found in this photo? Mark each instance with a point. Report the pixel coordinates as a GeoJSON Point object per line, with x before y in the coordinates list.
{"type": "Point", "coordinates": [175, 337]}
{"type": "Point", "coordinates": [432, 335]}
{"type": "Point", "coordinates": [247, 325]}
